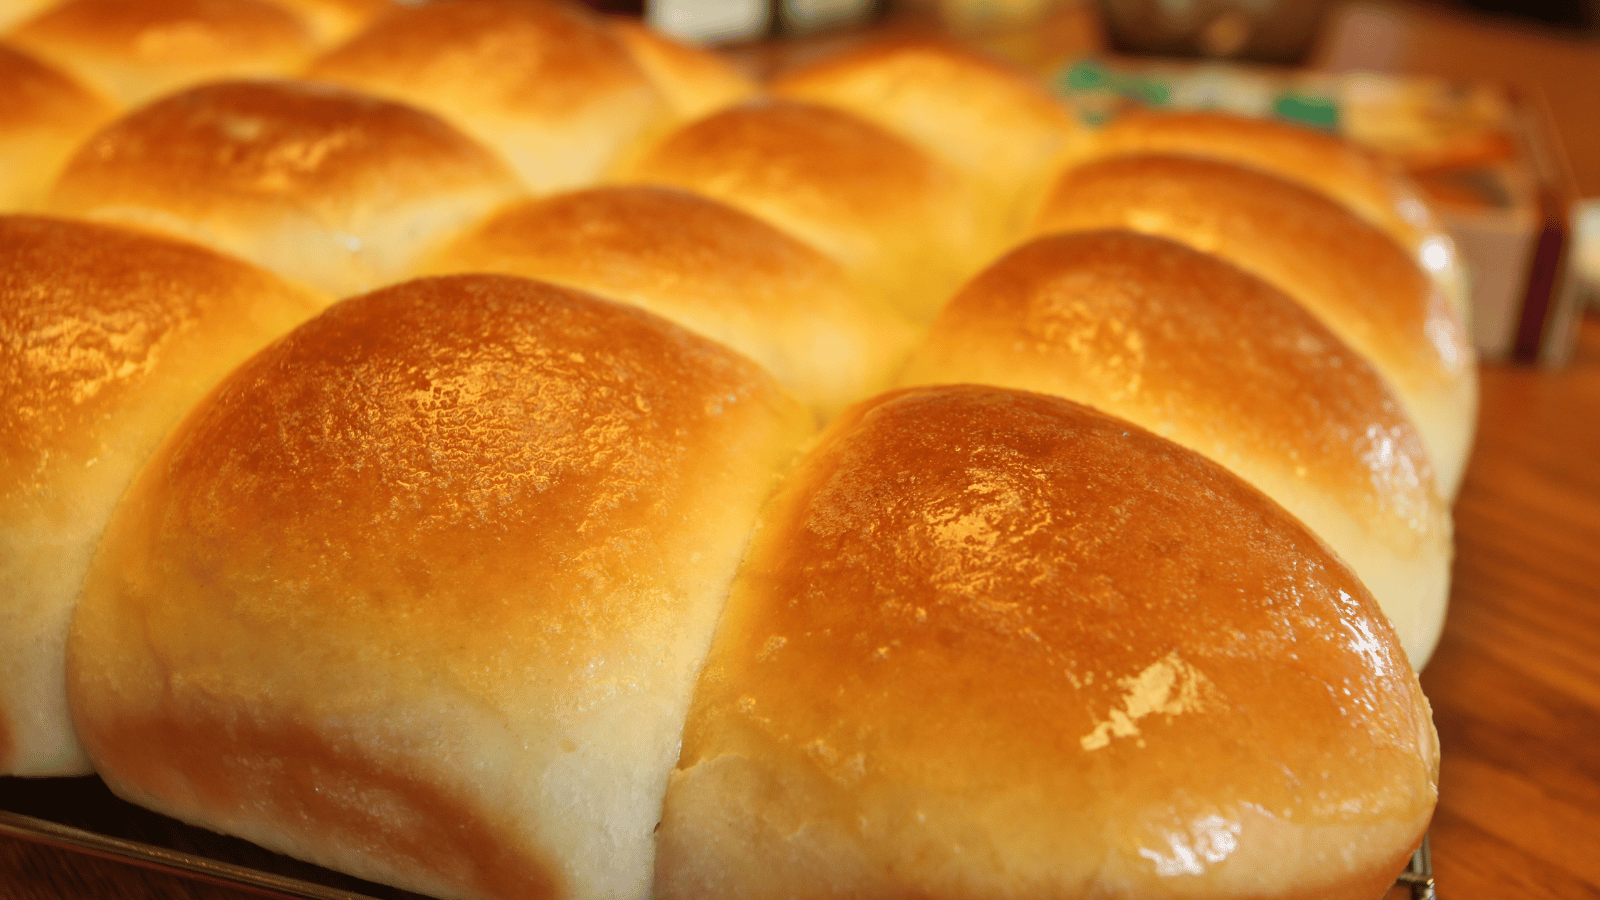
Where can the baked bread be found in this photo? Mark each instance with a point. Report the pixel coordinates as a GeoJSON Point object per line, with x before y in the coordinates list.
{"type": "Point", "coordinates": [46, 115]}
{"type": "Point", "coordinates": [420, 591]}
{"type": "Point", "coordinates": [1353, 277]}
{"type": "Point", "coordinates": [1217, 360]}
{"type": "Point", "coordinates": [548, 84]}
{"type": "Point", "coordinates": [995, 644]}
{"type": "Point", "coordinates": [337, 190]}
{"type": "Point", "coordinates": [135, 52]}
{"type": "Point", "coordinates": [695, 81]}
{"type": "Point", "coordinates": [108, 337]}
{"type": "Point", "coordinates": [1369, 184]}
{"type": "Point", "coordinates": [716, 270]}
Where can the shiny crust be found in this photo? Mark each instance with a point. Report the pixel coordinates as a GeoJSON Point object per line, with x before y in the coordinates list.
{"type": "Point", "coordinates": [335, 189]}
{"type": "Point", "coordinates": [45, 115]}
{"type": "Point", "coordinates": [135, 52]}
{"type": "Point", "coordinates": [894, 215]}
{"type": "Point", "coordinates": [1206, 355]}
{"type": "Point", "coordinates": [1352, 276]}
{"type": "Point", "coordinates": [109, 337]}
{"type": "Point", "coordinates": [548, 85]}
{"type": "Point", "coordinates": [449, 553]}
{"type": "Point", "coordinates": [1096, 663]}
{"type": "Point", "coordinates": [707, 266]}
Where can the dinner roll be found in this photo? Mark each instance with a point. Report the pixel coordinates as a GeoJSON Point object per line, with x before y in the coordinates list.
{"type": "Point", "coordinates": [898, 219]}
{"type": "Point", "coordinates": [108, 336]}
{"type": "Point", "coordinates": [710, 267]}
{"type": "Point", "coordinates": [1215, 359]}
{"type": "Point", "coordinates": [545, 83]}
{"type": "Point", "coordinates": [136, 51]}
{"type": "Point", "coordinates": [1352, 276]}
{"type": "Point", "coordinates": [44, 117]}
{"type": "Point", "coordinates": [1370, 184]}
{"type": "Point", "coordinates": [995, 644]}
{"type": "Point", "coordinates": [331, 188]}
{"type": "Point", "coordinates": [419, 592]}
{"type": "Point", "coordinates": [694, 80]}
{"type": "Point", "coordinates": [995, 124]}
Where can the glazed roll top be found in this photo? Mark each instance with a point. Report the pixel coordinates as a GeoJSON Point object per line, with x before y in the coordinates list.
{"type": "Point", "coordinates": [337, 190]}
{"type": "Point", "coordinates": [896, 217]}
{"type": "Point", "coordinates": [710, 267]}
{"type": "Point", "coordinates": [419, 592]}
{"type": "Point", "coordinates": [546, 84]}
{"type": "Point", "coordinates": [46, 115]}
{"type": "Point", "coordinates": [1213, 358]}
{"type": "Point", "coordinates": [995, 644]}
{"type": "Point", "coordinates": [1368, 184]}
{"type": "Point", "coordinates": [1361, 284]}
{"type": "Point", "coordinates": [109, 336]}
{"type": "Point", "coordinates": [135, 52]}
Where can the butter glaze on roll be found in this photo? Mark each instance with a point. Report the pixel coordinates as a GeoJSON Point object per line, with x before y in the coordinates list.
{"type": "Point", "coordinates": [994, 644]}
{"type": "Point", "coordinates": [546, 84]}
{"type": "Point", "coordinates": [1215, 359]}
{"type": "Point", "coordinates": [1370, 185]}
{"type": "Point", "coordinates": [106, 338]}
{"type": "Point", "coordinates": [137, 51]}
{"type": "Point", "coordinates": [1354, 278]}
{"type": "Point", "coordinates": [46, 114]}
{"type": "Point", "coordinates": [716, 270]}
{"type": "Point", "coordinates": [420, 591]}
{"type": "Point", "coordinates": [337, 190]}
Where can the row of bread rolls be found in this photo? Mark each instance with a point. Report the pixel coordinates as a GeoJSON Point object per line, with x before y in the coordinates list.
{"type": "Point", "coordinates": [423, 590]}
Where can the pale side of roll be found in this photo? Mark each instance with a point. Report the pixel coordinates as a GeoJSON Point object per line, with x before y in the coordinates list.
{"type": "Point", "coordinates": [419, 592]}
{"type": "Point", "coordinates": [334, 21]}
{"type": "Point", "coordinates": [1362, 284]}
{"type": "Point", "coordinates": [14, 11]}
{"type": "Point", "coordinates": [335, 189]}
{"type": "Point", "coordinates": [46, 114]}
{"type": "Point", "coordinates": [544, 82]}
{"type": "Point", "coordinates": [898, 219]}
{"type": "Point", "coordinates": [712, 268]}
{"type": "Point", "coordinates": [695, 80]}
{"type": "Point", "coordinates": [106, 338]}
{"type": "Point", "coordinates": [995, 124]}
{"type": "Point", "coordinates": [1217, 360]}
{"type": "Point", "coordinates": [995, 644]}
{"type": "Point", "coordinates": [1369, 184]}
{"type": "Point", "coordinates": [134, 52]}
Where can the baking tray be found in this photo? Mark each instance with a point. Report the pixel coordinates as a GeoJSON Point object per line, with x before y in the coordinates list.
{"type": "Point", "coordinates": [81, 815]}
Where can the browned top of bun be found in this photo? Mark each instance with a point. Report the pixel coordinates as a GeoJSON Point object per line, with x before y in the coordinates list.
{"type": "Point", "coordinates": [1091, 659]}
{"type": "Point", "coordinates": [137, 51]}
{"type": "Point", "coordinates": [1354, 277]}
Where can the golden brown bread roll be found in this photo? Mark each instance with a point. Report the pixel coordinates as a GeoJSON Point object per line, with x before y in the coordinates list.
{"type": "Point", "coordinates": [1347, 273]}
{"type": "Point", "coordinates": [897, 218]}
{"type": "Point", "coordinates": [1217, 360]}
{"type": "Point", "coordinates": [546, 84]}
{"type": "Point", "coordinates": [335, 189]}
{"type": "Point", "coordinates": [419, 592]}
{"type": "Point", "coordinates": [695, 81]}
{"type": "Point", "coordinates": [994, 644]}
{"type": "Point", "coordinates": [46, 114]}
{"type": "Point", "coordinates": [1369, 184]}
{"type": "Point", "coordinates": [704, 265]}
{"type": "Point", "coordinates": [332, 21]}
{"type": "Point", "coordinates": [108, 336]}
{"type": "Point", "coordinates": [134, 52]}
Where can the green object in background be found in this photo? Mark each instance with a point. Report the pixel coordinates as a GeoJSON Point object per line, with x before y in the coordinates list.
{"type": "Point", "coordinates": [1319, 112]}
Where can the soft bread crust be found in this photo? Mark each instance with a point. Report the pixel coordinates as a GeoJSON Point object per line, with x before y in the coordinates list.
{"type": "Point", "coordinates": [109, 337]}
{"type": "Point", "coordinates": [333, 21]}
{"type": "Point", "coordinates": [419, 592]}
{"type": "Point", "coordinates": [1353, 277]}
{"type": "Point", "coordinates": [712, 268]}
{"type": "Point", "coordinates": [547, 84]}
{"type": "Point", "coordinates": [134, 52]}
{"type": "Point", "coordinates": [338, 190]}
{"type": "Point", "coordinates": [995, 124]}
{"type": "Point", "coordinates": [695, 81]}
{"type": "Point", "coordinates": [994, 644]}
{"type": "Point", "coordinates": [46, 114]}
{"type": "Point", "coordinates": [1371, 185]}
{"type": "Point", "coordinates": [1213, 358]}
{"type": "Point", "coordinates": [896, 217]}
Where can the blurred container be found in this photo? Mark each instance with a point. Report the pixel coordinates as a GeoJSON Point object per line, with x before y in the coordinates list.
{"type": "Point", "coordinates": [1270, 31]}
